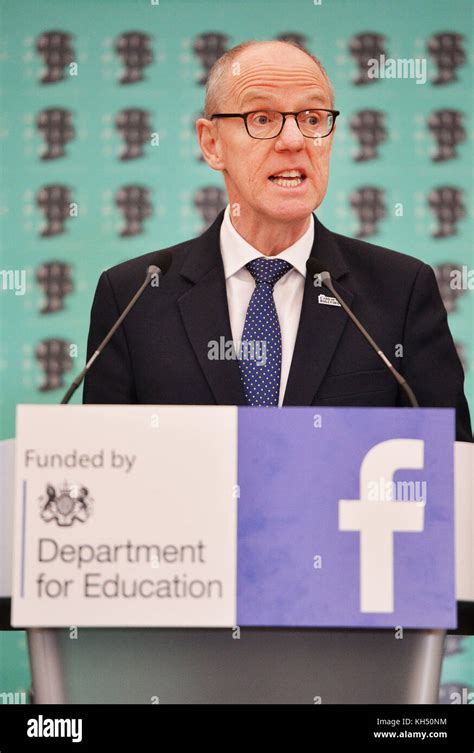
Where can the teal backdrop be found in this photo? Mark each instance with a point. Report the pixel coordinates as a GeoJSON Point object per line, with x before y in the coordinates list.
{"type": "Point", "coordinates": [98, 103]}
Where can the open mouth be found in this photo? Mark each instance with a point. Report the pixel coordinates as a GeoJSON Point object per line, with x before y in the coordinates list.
{"type": "Point", "coordinates": [288, 178]}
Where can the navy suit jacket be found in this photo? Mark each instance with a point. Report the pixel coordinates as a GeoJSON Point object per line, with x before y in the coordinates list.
{"type": "Point", "coordinates": [159, 355]}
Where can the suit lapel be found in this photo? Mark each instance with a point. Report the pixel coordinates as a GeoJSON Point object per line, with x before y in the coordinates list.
{"type": "Point", "coordinates": [205, 314]}
{"type": "Point", "coordinates": [320, 326]}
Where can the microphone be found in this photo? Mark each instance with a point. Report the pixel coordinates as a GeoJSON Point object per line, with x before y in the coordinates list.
{"type": "Point", "coordinates": [151, 271]}
{"type": "Point", "coordinates": [317, 271]}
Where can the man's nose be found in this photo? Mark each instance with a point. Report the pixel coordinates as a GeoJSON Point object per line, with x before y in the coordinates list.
{"type": "Point", "coordinates": [291, 136]}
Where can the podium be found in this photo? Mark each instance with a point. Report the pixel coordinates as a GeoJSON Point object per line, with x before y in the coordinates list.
{"type": "Point", "coordinates": [265, 503]}
{"type": "Point", "coordinates": [266, 665]}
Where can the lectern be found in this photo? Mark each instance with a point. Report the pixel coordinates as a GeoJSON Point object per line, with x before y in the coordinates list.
{"type": "Point", "coordinates": [195, 554]}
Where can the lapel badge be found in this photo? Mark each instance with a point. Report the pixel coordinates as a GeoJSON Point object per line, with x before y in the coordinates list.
{"type": "Point", "coordinates": [328, 300]}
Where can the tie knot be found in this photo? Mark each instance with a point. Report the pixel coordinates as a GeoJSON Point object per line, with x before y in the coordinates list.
{"type": "Point", "coordinates": [268, 270]}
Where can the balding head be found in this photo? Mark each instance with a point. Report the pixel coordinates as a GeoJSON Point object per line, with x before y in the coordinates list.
{"type": "Point", "coordinates": [234, 62]}
{"type": "Point", "coordinates": [265, 77]}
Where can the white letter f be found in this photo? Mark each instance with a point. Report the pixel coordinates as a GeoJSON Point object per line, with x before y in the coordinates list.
{"type": "Point", "coordinates": [377, 520]}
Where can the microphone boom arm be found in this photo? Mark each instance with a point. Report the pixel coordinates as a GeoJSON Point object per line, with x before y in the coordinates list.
{"type": "Point", "coordinates": [326, 280]}
{"type": "Point", "coordinates": [152, 270]}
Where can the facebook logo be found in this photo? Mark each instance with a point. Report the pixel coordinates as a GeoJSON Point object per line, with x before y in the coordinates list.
{"type": "Point", "coordinates": [378, 519]}
{"type": "Point", "coordinates": [345, 517]}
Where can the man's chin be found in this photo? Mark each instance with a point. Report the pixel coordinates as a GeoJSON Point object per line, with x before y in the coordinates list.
{"type": "Point", "coordinates": [288, 210]}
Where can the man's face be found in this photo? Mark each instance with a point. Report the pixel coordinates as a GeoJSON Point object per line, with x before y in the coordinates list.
{"type": "Point", "coordinates": [273, 77]}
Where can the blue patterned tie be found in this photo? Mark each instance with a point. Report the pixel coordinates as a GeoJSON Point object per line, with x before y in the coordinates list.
{"type": "Point", "coordinates": [261, 375]}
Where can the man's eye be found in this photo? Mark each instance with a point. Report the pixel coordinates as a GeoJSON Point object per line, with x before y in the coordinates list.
{"type": "Point", "coordinates": [261, 119]}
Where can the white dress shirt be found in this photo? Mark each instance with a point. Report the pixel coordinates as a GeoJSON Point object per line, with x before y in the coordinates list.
{"type": "Point", "coordinates": [287, 292]}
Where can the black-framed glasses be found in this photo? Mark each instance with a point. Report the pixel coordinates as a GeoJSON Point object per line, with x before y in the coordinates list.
{"type": "Point", "coordinates": [268, 124]}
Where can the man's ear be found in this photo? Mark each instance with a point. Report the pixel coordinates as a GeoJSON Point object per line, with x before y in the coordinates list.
{"type": "Point", "coordinates": [206, 131]}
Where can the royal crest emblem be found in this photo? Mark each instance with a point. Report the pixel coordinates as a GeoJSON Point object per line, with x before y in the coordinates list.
{"type": "Point", "coordinates": [70, 503]}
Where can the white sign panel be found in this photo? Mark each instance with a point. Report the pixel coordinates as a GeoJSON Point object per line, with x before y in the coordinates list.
{"type": "Point", "coordinates": [125, 517]}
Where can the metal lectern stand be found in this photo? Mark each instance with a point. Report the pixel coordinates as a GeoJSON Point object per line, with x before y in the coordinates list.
{"type": "Point", "coordinates": [265, 665]}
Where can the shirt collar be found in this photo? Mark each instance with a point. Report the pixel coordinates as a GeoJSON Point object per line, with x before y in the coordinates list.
{"type": "Point", "coordinates": [236, 252]}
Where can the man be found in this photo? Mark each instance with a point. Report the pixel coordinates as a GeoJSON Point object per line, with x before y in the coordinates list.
{"type": "Point", "coordinates": [268, 127]}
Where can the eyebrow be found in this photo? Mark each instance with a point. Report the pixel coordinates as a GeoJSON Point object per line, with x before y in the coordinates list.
{"type": "Point", "coordinates": [260, 96]}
